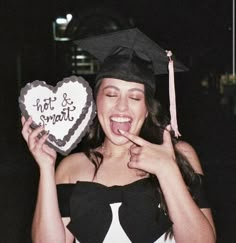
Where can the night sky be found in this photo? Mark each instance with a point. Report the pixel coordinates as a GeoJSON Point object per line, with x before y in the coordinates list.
{"type": "Point", "coordinates": [199, 33]}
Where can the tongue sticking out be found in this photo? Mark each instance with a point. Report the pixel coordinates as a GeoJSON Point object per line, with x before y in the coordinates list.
{"type": "Point", "coordinates": [115, 126]}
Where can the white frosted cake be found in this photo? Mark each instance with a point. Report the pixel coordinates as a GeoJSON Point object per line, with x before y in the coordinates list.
{"type": "Point", "coordinates": [66, 110]}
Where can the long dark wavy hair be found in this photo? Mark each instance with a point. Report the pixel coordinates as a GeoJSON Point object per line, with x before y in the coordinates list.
{"type": "Point", "coordinates": [152, 131]}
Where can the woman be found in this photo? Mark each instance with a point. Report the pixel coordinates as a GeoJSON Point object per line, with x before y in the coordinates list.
{"type": "Point", "coordinates": [133, 182]}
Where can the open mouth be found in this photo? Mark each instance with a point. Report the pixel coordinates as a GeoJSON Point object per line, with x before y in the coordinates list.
{"type": "Point", "coordinates": [120, 122]}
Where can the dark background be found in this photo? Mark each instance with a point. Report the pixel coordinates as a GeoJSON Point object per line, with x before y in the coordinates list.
{"type": "Point", "coordinates": [199, 34]}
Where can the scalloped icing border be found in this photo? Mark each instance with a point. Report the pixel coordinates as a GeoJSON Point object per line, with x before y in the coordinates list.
{"type": "Point", "coordinates": [89, 103]}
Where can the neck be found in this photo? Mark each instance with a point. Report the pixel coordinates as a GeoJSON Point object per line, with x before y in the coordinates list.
{"type": "Point", "coordinates": [109, 149]}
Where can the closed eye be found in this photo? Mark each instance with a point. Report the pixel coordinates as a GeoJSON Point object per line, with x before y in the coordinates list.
{"type": "Point", "coordinates": [135, 98]}
{"type": "Point", "coordinates": [111, 95]}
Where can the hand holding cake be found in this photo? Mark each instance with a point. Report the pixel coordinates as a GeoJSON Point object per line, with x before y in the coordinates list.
{"type": "Point", "coordinates": [65, 111]}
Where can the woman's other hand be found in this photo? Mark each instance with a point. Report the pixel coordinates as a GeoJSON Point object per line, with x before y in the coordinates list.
{"type": "Point", "coordinates": [152, 158]}
{"type": "Point", "coordinates": [42, 153]}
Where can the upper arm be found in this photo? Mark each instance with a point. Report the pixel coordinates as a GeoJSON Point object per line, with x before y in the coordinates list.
{"type": "Point", "coordinates": [63, 177]}
{"type": "Point", "coordinates": [188, 151]}
{"type": "Point", "coordinates": [207, 213]}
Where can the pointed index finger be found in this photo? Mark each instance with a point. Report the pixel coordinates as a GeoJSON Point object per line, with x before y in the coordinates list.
{"type": "Point", "coordinates": [133, 138]}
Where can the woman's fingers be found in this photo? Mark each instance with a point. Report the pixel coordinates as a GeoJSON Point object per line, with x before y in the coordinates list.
{"type": "Point", "coordinates": [134, 149]}
{"type": "Point", "coordinates": [26, 129]}
{"type": "Point", "coordinates": [26, 122]}
{"type": "Point", "coordinates": [41, 141]}
{"type": "Point", "coordinates": [23, 120]}
{"type": "Point", "coordinates": [133, 138]}
{"type": "Point", "coordinates": [35, 136]}
{"type": "Point", "coordinates": [149, 157]}
{"type": "Point", "coordinates": [135, 152]}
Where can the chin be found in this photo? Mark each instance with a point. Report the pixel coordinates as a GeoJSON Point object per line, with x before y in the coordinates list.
{"type": "Point", "coordinates": [118, 140]}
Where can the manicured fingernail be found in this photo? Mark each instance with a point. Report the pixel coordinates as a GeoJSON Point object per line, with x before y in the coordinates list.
{"type": "Point", "coordinates": [121, 131]}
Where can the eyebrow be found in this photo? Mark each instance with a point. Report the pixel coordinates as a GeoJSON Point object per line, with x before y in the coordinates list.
{"type": "Point", "coordinates": [116, 88]}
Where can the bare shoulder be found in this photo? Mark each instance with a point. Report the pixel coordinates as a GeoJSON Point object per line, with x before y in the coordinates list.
{"type": "Point", "coordinates": [189, 152]}
{"type": "Point", "coordinates": [70, 168]}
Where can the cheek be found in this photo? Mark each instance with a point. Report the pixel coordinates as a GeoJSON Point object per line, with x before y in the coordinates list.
{"type": "Point", "coordinates": [142, 111]}
{"type": "Point", "coordinates": [102, 105]}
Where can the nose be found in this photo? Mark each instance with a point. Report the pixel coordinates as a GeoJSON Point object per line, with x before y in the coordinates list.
{"type": "Point", "coordinates": [122, 103]}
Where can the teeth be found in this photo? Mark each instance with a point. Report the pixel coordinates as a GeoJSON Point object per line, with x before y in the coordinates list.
{"type": "Point", "coordinates": [120, 119]}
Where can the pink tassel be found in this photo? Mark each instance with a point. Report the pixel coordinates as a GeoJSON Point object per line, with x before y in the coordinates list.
{"type": "Point", "coordinates": [173, 112]}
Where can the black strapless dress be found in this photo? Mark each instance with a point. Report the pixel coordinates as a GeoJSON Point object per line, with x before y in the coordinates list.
{"type": "Point", "coordinates": [91, 207]}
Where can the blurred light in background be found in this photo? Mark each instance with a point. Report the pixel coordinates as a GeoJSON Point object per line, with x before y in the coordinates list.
{"type": "Point", "coordinates": [60, 26]}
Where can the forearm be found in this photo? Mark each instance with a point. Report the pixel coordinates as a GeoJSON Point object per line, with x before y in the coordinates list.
{"type": "Point", "coordinates": [189, 223]}
{"type": "Point", "coordinates": [47, 224]}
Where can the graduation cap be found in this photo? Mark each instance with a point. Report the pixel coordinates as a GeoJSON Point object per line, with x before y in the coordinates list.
{"type": "Point", "coordinates": [130, 55]}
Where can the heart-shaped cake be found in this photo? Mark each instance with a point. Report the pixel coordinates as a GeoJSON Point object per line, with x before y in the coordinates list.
{"type": "Point", "coordinates": [66, 110]}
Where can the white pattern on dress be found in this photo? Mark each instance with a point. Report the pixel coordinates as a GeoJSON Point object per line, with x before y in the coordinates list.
{"type": "Point", "coordinates": [116, 234]}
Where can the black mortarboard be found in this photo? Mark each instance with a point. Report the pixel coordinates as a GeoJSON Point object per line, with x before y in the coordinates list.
{"type": "Point", "coordinates": [129, 55]}
{"type": "Point", "coordinates": [133, 49]}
